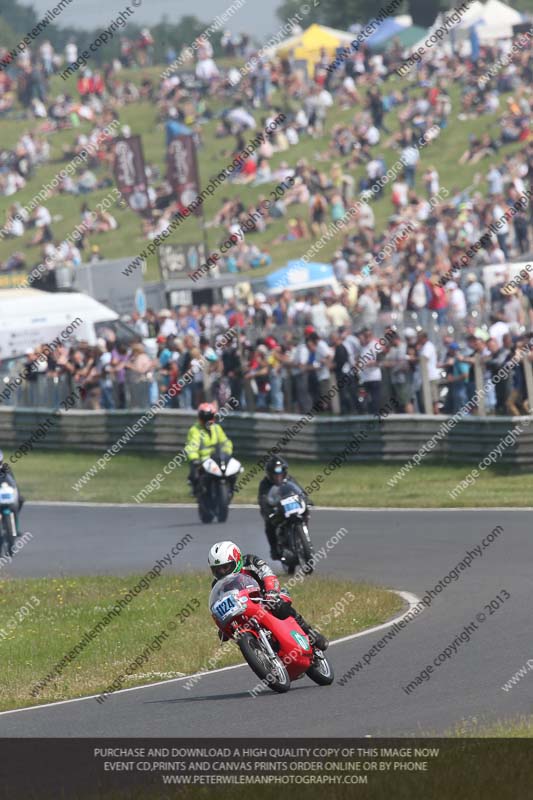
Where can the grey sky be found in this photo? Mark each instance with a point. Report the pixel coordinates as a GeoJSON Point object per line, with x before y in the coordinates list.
{"type": "Point", "coordinates": [257, 17]}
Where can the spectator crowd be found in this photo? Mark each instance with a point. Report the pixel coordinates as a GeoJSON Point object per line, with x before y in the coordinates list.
{"type": "Point", "coordinates": [287, 357]}
{"type": "Point", "coordinates": [410, 277]}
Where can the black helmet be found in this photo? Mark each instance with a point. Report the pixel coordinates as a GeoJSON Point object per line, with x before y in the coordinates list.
{"type": "Point", "coordinates": [276, 469]}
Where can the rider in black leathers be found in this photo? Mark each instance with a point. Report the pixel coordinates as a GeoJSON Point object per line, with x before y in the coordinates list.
{"type": "Point", "coordinates": [276, 472]}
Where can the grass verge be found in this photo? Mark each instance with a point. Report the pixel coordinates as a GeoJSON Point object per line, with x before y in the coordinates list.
{"type": "Point", "coordinates": [69, 607]}
{"type": "Point", "coordinates": [51, 476]}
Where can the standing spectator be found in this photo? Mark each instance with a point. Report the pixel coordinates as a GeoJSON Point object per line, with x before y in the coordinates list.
{"type": "Point", "coordinates": [438, 301]}
{"type": "Point", "coordinates": [456, 303]}
{"type": "Point", "coordinates": [341, 363]}
{"type": "Point", "coordinates": [513, 311]}
{"type": "Point", "coordinates": [500, 218]}
{"type": "Point", "coordinates": [184, 365]}
{"type": "Point", "coordinates": [71, 52]}
{"type": "Point", "coordinates": [474, 294]}
{"type": "Point", "coordinates": [257, 375]}
{"type": "Point", "coordinates": [376, 107]}
{"type": "Point", "coordinates": [410, 157]}
{"type": "Point", "coordinates": [521, 230]}
{"type": "Point", "coordinates": [370, 376]}
{"type": "Point", "coordinates": [397, 361]}
{"type": "Point", "coordinates": [426, 349]}
{"type": "Point", "coordinates": [106, 375]}
{"type": "Point", "coordinates": [458, 378]}
{"type": "Point", "coordinates": [232, 369]}
{"type": "Point", "coordinates": [319, 208]}
{"type": "Point", "coordinates": [320, 361]}
{"type": "Point", "coordinates": [498, 356]}
{"type": "Point", "coordinates": [495, 181]}
{"type": "Point", "coordinates": [299, 358]}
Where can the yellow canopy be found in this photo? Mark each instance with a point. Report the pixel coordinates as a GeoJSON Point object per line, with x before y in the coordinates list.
{"type": "Point", "coordinates": [309, 44]}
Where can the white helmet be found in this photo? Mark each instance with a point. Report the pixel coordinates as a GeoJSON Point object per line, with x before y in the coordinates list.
{"type": "Point", "coordinates": [224, 558]}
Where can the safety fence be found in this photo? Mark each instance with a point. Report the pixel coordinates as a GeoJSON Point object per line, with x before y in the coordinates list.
{"type": "Point", "coordinates": [396, 438]}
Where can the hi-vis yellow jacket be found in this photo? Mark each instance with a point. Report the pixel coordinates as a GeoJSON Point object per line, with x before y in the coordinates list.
{"type": "Point", "coordinates": [201, 442]}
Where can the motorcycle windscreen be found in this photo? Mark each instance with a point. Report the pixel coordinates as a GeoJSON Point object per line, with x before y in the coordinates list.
{"type": "Point", "coordinates": [232, 583]}
{"type": "Point", "coordinates": [288, 496]}
{"type": "Point", "coordinates": [287, 488]}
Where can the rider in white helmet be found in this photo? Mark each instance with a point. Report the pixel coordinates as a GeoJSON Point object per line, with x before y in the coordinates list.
{"type": "Point", "coordinates": [226, 558]}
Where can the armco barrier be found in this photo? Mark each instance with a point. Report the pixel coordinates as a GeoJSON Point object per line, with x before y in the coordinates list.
{"type": "Point", "coordinates": [395, 438]}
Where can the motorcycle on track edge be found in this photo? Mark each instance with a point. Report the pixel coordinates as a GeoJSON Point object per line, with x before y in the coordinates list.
{"type": "Point", "coordinates": [277, 650]}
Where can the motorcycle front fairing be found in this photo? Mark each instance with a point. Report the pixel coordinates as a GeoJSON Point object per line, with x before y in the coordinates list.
{"type": "Point", "coordinates": [287, 499]}
{"type": "Point", "coordinates": [294, 647]}
{"type": "Point", "coordinates": [233, 467]}
{"type": "Point", "coordinates": [8, 498]}
{"type": "Point", "coordinates": [222, 467]}
{"type": "Point", "coordinates": [211, 467]}
{"type": "Point", "coordinates": [229, 597]}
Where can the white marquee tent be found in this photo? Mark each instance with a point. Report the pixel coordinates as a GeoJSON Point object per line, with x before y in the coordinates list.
{"type": "Point", "coordinates": [496, 21]}
{"type": "Point", "coordinates": [493, 20]}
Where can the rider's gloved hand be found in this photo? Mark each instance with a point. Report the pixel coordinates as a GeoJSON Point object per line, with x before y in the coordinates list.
{"type": "Point", "coordinates": [273, 599]}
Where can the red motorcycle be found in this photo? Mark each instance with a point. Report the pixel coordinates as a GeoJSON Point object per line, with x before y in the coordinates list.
{"type": "Point", "coordinates": [277, 650]}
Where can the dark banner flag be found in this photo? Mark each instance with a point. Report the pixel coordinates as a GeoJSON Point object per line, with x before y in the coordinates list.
{"type": "Point", "coordinates": [130, 174]}
{"type": "Point", "coordinates": [182, 170]}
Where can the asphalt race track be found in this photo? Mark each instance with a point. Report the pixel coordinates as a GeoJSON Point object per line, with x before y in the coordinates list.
{"type": "Point", "coordinates": [401, 549]}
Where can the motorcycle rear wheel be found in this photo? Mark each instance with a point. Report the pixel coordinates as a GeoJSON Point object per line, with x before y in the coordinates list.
{"type": "Point", "coordinates": [269, 670]}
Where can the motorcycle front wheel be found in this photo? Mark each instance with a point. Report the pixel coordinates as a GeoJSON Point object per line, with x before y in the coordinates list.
{"type": "Point", "coordinates": [205, 511]}
{"type": "Point", "coordinates": [222, 501]}
{"type": "Point", "coordinates": [303, 548]}
{"type": "Point", "coordinates": [8, 524]}
{"type": "Point", "coordinates": [321, 671]}
{"type": "Point", "coordinates": [270, 670]}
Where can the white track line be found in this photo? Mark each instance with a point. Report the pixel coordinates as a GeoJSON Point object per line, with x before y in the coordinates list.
{"type": "Point", "coordinates": [248, 506]}
{"type": "Point", "coordinates": [410, 598]}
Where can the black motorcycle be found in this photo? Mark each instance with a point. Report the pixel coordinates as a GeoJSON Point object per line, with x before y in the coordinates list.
{"type": "Point", "coordinates": [216, 485]}
{"type": "Point", "coordinates": [290, 513]}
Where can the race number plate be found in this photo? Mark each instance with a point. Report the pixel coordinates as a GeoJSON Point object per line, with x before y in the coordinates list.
{"type": "Point", "coordinates": [223, 607]}
{"type": "Point", "coordinates": [291, 505]}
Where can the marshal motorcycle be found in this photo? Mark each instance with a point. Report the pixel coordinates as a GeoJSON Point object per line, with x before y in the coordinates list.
{"type": "Point", "coordinates": [290, 513]}
{"type": "Point", "coordinates": [216, 484]}
{"type": "Point", "coordinates": [277, 650]}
